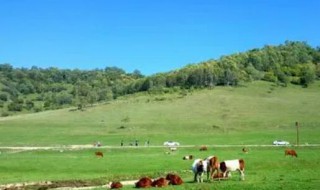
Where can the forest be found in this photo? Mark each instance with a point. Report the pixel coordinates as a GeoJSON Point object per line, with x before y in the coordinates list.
{"type": "Point", "coordinates": [26, 90]}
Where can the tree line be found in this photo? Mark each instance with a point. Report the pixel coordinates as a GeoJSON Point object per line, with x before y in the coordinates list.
{"type": "Point", "coordinates": [292, 62]}
{"type": "Point", "coordinates": [36, 89]}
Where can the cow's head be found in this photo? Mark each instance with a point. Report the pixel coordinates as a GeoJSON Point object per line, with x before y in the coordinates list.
{"type": "Point", "coordinates": [200, 167]}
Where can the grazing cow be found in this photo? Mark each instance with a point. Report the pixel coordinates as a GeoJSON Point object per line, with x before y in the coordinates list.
{"type": "Point", "coordinates": [161, 182]}
{"type": "Point", "coordinates": [99, 154]}
{"type": "Point", "coordinates": [290, 152]}
{"type": "Point", "coordinates": [199, 167]}
{"type": "Point", "coordinates": [174, 179]}
{"type": "Point", "coordinates": [116, 185]}
{"type": "Point", "coordinates": [212, 166]}
{"type": "Point", "coordinates": [218, 176]}
{"type": "Point", "coordinates": [232, 165]}
{"type": "Point", "coordinates": [203, 148]}
{"type": "Point", "coordinates": [245, 150]}
{"type": "Point", "coordinates": [144, 182]}
{"type": "Point", "coordinates": [188, 157]}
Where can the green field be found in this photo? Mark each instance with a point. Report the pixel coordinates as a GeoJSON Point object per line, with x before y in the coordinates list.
{"type": "Point", "coordinates": [252, 114]}
{"type": "Point", "coordinates": [266, 168]}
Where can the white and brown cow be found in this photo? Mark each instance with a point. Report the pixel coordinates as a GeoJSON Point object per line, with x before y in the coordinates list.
{"type": "Point", "coordinates": [228, 166]}
{"type": "Point", "coordinates": [199, 167]}
{"type": "Point", "coordinates": [187, 157]}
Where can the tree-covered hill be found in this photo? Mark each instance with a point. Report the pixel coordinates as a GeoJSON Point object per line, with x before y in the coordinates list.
{"type": "Point", "coordinates": [292, 62]}
{"type": "Point", "coordinates": [37, 89]}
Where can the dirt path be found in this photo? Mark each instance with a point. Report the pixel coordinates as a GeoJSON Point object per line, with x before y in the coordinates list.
{"type": "Point", "coordinates": [89, 146]}
{"type": "Point", "coordinates": [74, 185]}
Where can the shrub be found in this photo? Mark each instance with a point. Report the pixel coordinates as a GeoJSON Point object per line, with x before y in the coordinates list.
{"type": "Point", "coordinates": [15, 106]}
{"type": "Point", "coordinates": [3, 97]}
{"type": "Point", "coordinates": [5, 114]}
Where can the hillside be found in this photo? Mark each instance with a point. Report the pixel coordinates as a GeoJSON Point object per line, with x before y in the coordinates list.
{"type": "Point", "coordinates": [24, 90]}
{"type": "Point", "coordinates": [252, 113]}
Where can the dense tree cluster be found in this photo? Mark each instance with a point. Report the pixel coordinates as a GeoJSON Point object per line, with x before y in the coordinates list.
{"type": "Point", "coordinates": [38, 89]}
{"type": "Point", "coordinates": [293, 62]}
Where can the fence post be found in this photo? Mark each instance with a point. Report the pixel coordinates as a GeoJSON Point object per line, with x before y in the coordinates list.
{"type": "Point", "coordinates": [297, 125]}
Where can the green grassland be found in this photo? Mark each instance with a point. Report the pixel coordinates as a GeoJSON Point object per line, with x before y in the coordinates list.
{"type": "Point", "coordinates": [266, 168]}
{"type": "Point", "coordinates": [255, 113]}
{"type": "Point", "coordinates": [252, 114]}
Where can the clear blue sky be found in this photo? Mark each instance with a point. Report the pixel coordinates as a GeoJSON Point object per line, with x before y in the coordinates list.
{"type": "Point", "coordinates": [149, 35]}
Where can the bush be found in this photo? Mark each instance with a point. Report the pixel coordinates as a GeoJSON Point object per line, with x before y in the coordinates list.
{"type": "Point", "coordinates": [15, 106]}
{"type": "Point", "coordinates": [295, 80]}
{"type": "Point", "coordinates": [269, 76]}
{"type": "Point", "coordinates": [308, 75]}
{"type": "Point", "coordinates": [29, 105]}
{"type": "Point", "coordinates": [3, 97]}
{"type": "Point", "coordinates": [5, 114]}
{"type": "Point", "coordinates": [37, 109]}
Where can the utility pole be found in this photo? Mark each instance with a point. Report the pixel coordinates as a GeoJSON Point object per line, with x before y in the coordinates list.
{"type": "Point", "coordinates": [297, 125]}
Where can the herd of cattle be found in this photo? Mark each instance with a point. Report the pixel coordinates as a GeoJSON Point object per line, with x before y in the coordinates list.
{"type": "Point", "coordinates": [146, 182]}
{"type": "Point", "coordinates": [211, 166]}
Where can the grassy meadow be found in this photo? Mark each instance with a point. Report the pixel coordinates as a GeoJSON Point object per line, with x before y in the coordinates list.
{"type": "Point", "coordinates": [266, 168]}
{"type": "Point", "coordinates": [252, 114]}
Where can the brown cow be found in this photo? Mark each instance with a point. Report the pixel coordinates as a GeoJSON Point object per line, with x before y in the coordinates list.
{"type": "Point", "coordinates": [144, 182]}
{"type": "Point", "coordinates": [99, 154]}
{"type": "Point", "coordinates": [174, 179]}
{"type": "Point", "coordinates": [218, 176]}
{"type": "Point", "coordinates": [212, 166]}
{"type": "Point", "coordinates": [290, 152]}
{"type": "Point", "coordinates": [203, 148]}
{"type": "Point", "coordinates": [115, 185]}
{"type": "Point", "coordinates": [161, 182]}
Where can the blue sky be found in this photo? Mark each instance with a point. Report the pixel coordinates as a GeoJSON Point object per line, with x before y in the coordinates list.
{"type": "Point", "coordinates": [149, 35]}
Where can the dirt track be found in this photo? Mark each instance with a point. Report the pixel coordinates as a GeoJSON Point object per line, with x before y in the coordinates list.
{"type": "Point", "coordinates": [65, 185]}
{"type": "Point", "coordinates": [89, 146]}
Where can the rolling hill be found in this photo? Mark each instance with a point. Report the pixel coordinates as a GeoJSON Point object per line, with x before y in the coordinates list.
{"type": "Point", "coordinates": [252, 113]}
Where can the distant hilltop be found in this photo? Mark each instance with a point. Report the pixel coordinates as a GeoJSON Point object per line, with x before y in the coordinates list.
{"type": "Point", "coordinates": [36, 89]}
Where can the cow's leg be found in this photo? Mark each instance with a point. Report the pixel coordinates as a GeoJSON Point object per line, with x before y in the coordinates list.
{"type": "Point", "coordinates": [201, 177]}
{"type": "Point", "coordinates": [241, 174]}
{"type": "Point", "coordinates": [218, 174]}
{"type": "Point", "coordinates": [212, 173]}
{"type": "Point", "coordinates": [225, 174]}
{"type": "Point", "coordinates": [195, 177]}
